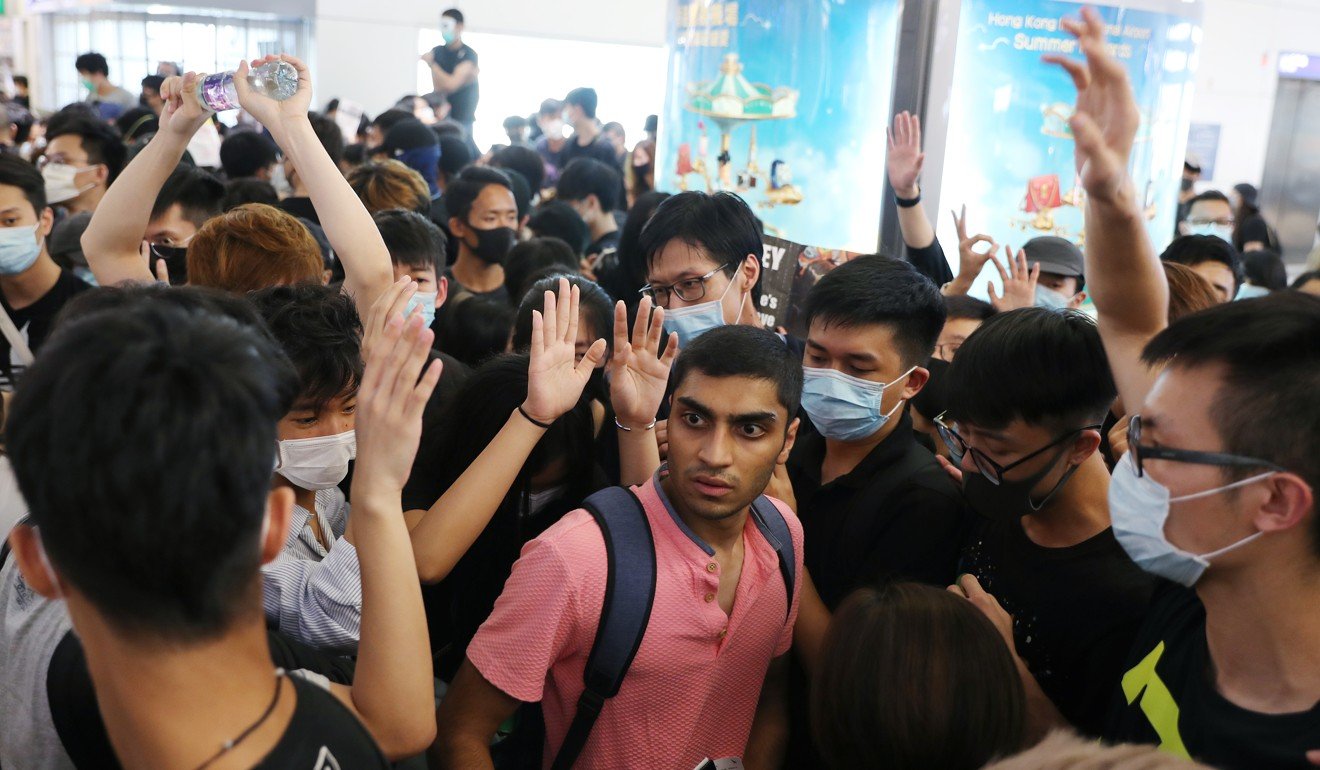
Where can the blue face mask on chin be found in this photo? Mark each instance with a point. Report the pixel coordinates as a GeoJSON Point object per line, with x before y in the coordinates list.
{"type": "Point", "coordinates": [1247, 291]}
{"type": "Point", "coordinates": [843, 407]}
{"type": "Point", "coordinates": [19, 249]}
{"type": "Point", "coordinates": [426, 301]}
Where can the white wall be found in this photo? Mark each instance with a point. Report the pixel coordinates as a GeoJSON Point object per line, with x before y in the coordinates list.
{"type": "Point", "coordinates": [367, 51]}
{"type": "Point", "coordinates": [1236, 81]}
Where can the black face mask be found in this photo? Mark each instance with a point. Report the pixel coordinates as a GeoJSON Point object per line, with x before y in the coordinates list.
{"type": "Point", "coordinates": [1010, 500]}
{"type": "Point", "coordinates": [176, 262]}
{"type": "Point", "coordinates": [1187, 184]}
{"type": "Point", "coordinates": [493, 245]}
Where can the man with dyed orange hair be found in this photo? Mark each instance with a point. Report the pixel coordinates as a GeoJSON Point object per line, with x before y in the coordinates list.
{"type": "Point", "coordinates": [253, 246]}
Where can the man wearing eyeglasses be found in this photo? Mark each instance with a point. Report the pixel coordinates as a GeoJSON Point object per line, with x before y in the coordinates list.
{"type": "Point", "coordinates": [1028, 391]}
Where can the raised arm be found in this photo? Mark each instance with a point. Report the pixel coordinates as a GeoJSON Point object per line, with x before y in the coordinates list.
{"type": "Point", "coordinates": [638, 378]}
{"type": "Point", "coordinates": [903, 163]}
{"type": "Point", "coordinates": [1123, 272]}
{"type": "Point", "coordinates": [392, 691]}
{"type": "Point", "coordinates": [348, 226]}
{"type": "Point", "coordinates": [113, 239]}
{"type": "Point", "coordinates": [443, 534]}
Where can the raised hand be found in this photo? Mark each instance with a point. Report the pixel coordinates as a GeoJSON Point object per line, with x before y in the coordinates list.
{"type": "Point", "coordinates": [184, 113]}
{"type": "Point", "coordinates": [905, 158]}
{"type": "Point", "coordinates": [1019, 282]}
{"type": "Point", "coordinates": [390, 304]}
{"type": "Point", "coordinates": [970, 261]}
{"type": "Point", "coordinates": [266, 110]}
{"type": "Point", "coordinates": [1106, 119]}
{"type": "Point", "coordinates": [969, 587]}
{"type": "Point", "coordinates": [554, 381]}
{"type": "Point", "coordinates": [638, 373]}
{"type": "Point", "coordinates": [389, 407]}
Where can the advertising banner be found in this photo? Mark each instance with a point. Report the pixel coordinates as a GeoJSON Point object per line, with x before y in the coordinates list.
{"type": "Point", "coordinates": [1009, 154]}
{"type": "Point", "coordinates": [788, 271]}
{"type": "Point", "coordinates": [785, 103]}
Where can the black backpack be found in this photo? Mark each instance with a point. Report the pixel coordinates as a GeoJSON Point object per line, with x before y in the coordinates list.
{"type": "Point", "coordinates": [629, 594]}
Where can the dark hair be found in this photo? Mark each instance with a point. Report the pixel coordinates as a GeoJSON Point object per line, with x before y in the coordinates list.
{"type": "Point", "coordinates": [1044, 366]}
{"type": "Point", "coordinates": [588, 176]}
{"type": "Point", "coordinates": [879, 290]}
{"type": "Point", "coordinates": [327, 131]}
{"type": "Point", "coordinates": [515, 122]}
{"type": "Point", "coordinates": [1305, 278]}
{"type": "Point", "coordinates": [550, 107]}
{"type": "Point", "coordinates": [1208, 195]}
{"type": "Point", "coordinates": [476, 328]}
{"type": "Point", "coordinates": [1192, 250]}
{"type": "Point", "coordinates": [199, 193]}
{"type": "Point", "coordinates": [92, 62]}
{"type": "Point", "coordinates": [743, 351]}
{"type": "Point", "coordinates": [914, 677]}
{"type": "Point", "coordinates": [1188, 291]}
{"type": "Point", "coordinates": [595, 308]}
{"type": "Point", "coordinates": [101, 143]}
{"type": "Point", "coordinates": [355, 154]}
{"type": "Point", "coordinates": [522, 193]}
{"type": "Point", "coordinates": [532, 256]}
{"type": "Point", "coordinates": [168, 410]}
{"type": "Point", "coordinates": [525, 161]}
{"type": "Point", "coordinates": [386, 120]}
{"type": "Point", "coordinates": [319, 330]}
{"type": "Point", "coordinates": [463, 190]}
{"type": "Point", "coordinates": [412, 240]}
{"type": "Point", "coordinates": [16, 172]}
{"type": "Point", "coordinates": [154, 82]}
{"type": "Point", "coordinates": [963, 306]}
{"type": "Point", "coordinates": [585, 98]}
{"type": "Point", "coordinates": [1263, 267]}
{"type": "Point", "coordinates": [249, 190]}
{"type": "Point", "coordinates": [556, 219]}
{"type": "Point", "coordinates": [628, 280]}
{"type": "Point", "coordinates": [137, 123]}
{"type": "Point", "coordinates": [721, 224]}
{"type": "Point", "coordinates": [21, 80]}
{"type": "Point", "coordinates": [1268, 350]}
{"type": "Point", "coordinates": [455, 155]}
{"type": "Point", "coordinates": [244, 153]}
{"type": "Point", "coordinates": [613, 125]}
{"type": "Point", "coordinates": [454, 14]}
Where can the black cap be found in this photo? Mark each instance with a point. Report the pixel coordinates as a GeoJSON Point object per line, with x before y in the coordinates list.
{"type": "Point", "coordinates": [407, 134]}
{"type": "Point", "coordinates": [1055, 255]}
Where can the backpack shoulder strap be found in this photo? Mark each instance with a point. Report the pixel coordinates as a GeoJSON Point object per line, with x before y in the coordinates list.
{"type": "Point", "coordinates": [629, 595]}
{"type": "Point", "coordinates": [770, 520]}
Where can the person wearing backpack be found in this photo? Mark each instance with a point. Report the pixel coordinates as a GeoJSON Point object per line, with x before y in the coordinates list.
{"type": "Point", "coordinates": [698, 549]}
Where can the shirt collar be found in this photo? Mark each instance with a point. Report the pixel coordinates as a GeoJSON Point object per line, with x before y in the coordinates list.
{"type": "Point", "coordinates": [886, 453]}
{"type": "Point", "coordinates": [660, 474]}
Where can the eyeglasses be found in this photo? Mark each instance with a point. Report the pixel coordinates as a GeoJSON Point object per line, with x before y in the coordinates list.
{"type": "Point", "coordinates": [993, 471]}
{"type": "Point", "coordinates": [1142, 452]}
{"type": "Point", "coordinates": [689, 290]}
{"type": "Point", "coordinates": [1225, 221]}
{"type": "Point", "coordinates": [946, 350]}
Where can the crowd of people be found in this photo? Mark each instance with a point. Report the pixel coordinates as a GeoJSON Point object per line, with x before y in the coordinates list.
{"type": "Point", "coordinates": [382, 451]}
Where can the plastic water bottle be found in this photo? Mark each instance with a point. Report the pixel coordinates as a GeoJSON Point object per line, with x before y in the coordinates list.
{"type": "Point", "coordinates": [278, 80]}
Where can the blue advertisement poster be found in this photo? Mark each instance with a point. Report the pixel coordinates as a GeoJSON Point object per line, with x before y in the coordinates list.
{"type": "Point", "coordinates": [785, 103]}
{"type": "Point", "coordinates": [1009, 154]}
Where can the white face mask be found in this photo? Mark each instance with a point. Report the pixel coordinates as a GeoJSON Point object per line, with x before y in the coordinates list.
{"type": "Point", "coordinates": [1222, 232]}
{"type": "Point", "coordinates": [1049, 298]}
{"type": "Point", "coordinates": [317, 463]}
{"type": "Point", "coordinates": [60, 183]}
{"type": "Point", "coordinates": [1139, 509]}
{"type": "Point", "coordinates": [280, 181]}
{"type": "Point", "coordinates": [538, 500]}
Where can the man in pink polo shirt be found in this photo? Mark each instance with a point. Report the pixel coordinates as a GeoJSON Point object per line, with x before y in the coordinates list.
{"type": "Point", "coordinates": [707, 681]}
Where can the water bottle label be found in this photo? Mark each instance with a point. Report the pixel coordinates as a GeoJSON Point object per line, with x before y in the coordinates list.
{"type": "Point", "coordinates": [217, 92]}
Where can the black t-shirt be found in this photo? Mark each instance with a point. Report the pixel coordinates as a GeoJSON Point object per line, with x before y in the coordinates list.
{"type": "Point", "coordinates": [1075, 611]}
{"type": "Point", "coordinates": [896, 515]}
{"type": "Point", "coordinates": [609, 242]}
{"type": "Point", "coordinates": [302, 207]}
{"type": "Point", "coordinates": [323, 733]}
{"type": "Point", "coordinates": [1167, 696]}
{"type": "Point", "coordinates": [1254, 229]}
{"type": "Point", "coordinates": [34, 321]}
{"type": "Point", "coordinates": [463, 102]}
{"type": "Point", "coordinates": [930, 262]}
{"type": "Point", "coordinates": [599, 148]}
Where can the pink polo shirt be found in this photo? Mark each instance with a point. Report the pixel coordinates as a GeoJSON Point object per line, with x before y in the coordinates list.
{"type": "Point", "coordinates": [693, 688]}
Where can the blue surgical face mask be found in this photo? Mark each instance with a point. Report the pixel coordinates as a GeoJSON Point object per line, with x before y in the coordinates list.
{"type": "Point", "coordinates": [1139, 509]}
{"type": "Point", "coordinates": [19, 249]}
{"type": "Point", "coordinates": [695, 320]}
{"type": "Point", "coordinates": [426, 301]}
{"type": "Point", "coordinates": [1247, 291]}
{"type": "Point", "coordinates": [1222, 232]}
{"type": "Point", "coordinates": [843, 407]}
{"type": "Point", "coordinates": [1047, 297]}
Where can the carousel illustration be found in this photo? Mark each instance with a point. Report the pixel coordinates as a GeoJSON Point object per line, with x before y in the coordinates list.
{"type": "Point", "coordinates": [729, 101]}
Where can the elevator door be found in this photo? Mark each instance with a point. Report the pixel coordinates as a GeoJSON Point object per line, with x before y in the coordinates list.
{"type": "Point", "coordinates": [1290, 189]}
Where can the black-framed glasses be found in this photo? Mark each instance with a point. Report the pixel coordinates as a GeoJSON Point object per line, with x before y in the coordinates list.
{"type": "Point", "coordinates": [688, 290]}
{"type": "Point", "coordinates": [993, 471]}
{"type": "Point", "coordinates": [1142, 452]}
{"type": "Point", "coordinates": [946, 350]}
